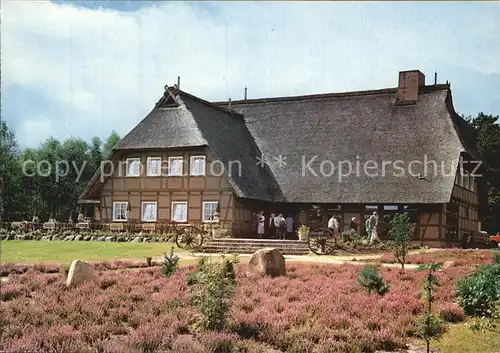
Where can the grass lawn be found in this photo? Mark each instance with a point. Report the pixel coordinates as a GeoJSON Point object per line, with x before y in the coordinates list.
{"type": "Point", "coordinates": [26, 251]}
{"type": "Point", "coordinates": [461, 339]}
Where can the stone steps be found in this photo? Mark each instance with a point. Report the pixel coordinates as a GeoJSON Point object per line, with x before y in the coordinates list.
{"type": "Point", "coordinates": [249, 246]}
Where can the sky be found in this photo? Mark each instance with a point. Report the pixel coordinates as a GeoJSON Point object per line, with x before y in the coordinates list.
{"type": "Point", "coordinates": [84, 68]}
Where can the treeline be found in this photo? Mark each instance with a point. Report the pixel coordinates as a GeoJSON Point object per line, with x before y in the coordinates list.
{"type": "Point", "coordinates": [487, 135]}
{"type": "Point", "coordinates": [47, 180]}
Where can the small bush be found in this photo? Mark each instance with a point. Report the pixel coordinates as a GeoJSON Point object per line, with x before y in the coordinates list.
{"type": "Point", "coordinates": [477, 294]}
{"type": "Point", "coordinates": [451, 312]}
{"type": "Point", "coordinates": [370, 279]}
{"type": "Point", "coordinates": [170, 263]}
{"type": "Point", "coordinates": [430, 327]}
{"type": "Point", "coordinates": [496, 258]}
{"type": "Point", "coordinates": [64, 270]}
{"type": "Point", "coordinates": [351, 237]}
{"type": "Point", "coordinates": [211, 291]}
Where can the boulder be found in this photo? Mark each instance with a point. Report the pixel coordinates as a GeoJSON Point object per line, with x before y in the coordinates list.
{"type": "Point", "coordinates": [69, 238]}
{"type": "Point", "coordinates": [120, 239]}
{"type": "Point", "coordinates": [110, 238]}
{"type": "Point", "coordinates": [137, 240]}
{"type": "Point", "coordinates": [93, 238]}
{"type": "Point", "coordinates": [268, 262]}
{"type": "Point", "coordinates": [46, 237]}
{"type": "Point", "coordinates": [78, 238]}
{"type": "Point", "coordinates": [448, 264]}
{"type": "Point", "coordinates": [145, 240]}
{"type": "Point", "coordinates": [79, 272]}
{"type": "Point", "coordinates": [10, 237]}
{"type": "Point", "coordinates": [86, 238]}
{"type": "Point", "coordinates": [102, 238]}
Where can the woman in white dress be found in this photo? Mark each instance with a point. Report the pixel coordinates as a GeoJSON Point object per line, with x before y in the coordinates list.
{"type": "Point", "coordinates": [260, 226]}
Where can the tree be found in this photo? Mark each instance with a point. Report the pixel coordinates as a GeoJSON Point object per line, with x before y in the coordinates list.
{"type": "Point", "coordinates": [430, 326]}
{"type": "Point", "coordinates": [400, 236]}
{"type": "Point", "coordinates": [487, 135]}
{"type": "Point", "coordinates": [11, 197]}
{"type": "Point", "coordinates": [95, 152]}
{"type": "Point", "coordinates": [111, 142]}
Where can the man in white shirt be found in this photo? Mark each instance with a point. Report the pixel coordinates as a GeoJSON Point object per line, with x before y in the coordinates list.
{"type": "Point", "coordinates": [333, 224]}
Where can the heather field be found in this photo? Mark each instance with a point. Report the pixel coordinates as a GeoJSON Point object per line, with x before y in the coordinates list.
{"type": "Point", "coordinates": [459, 257]}
{"type": "Point", "coordinates": [315, 308]}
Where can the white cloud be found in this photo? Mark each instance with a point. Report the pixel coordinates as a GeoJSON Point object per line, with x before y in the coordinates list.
{"type": "Point", "coordinates": [105, 69]}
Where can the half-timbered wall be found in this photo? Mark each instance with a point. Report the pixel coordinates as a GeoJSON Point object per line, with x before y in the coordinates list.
{"type": "Point", "coordinates": [167, 189]}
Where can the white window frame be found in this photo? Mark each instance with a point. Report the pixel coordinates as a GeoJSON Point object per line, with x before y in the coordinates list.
{"type": "Point", "coordinates": [173, 158]}
{"type": "Point", "coordinates": [150, 159]}
{"type": "Point", "coordinates": [204, 205]}
{"type": "Point", "coordinates": [391, 207]}
{"type": "Point", "coordinates": [371, 207]}
{"type": "Point", "coordinates": [173, 208]}
{"type": "Point", "coordinates": [127, 171]}
{"type": "Point", "coordinates": [116, 203]}
{"type": "Point", "coordinates": [144, 203]}
{"type": "Point", "coordinates": [191, 165]}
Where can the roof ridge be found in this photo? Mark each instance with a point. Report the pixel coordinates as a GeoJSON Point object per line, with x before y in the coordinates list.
{"type": "Point", "coordinates": [425, 89]}
{"type": "Point", "coordinates": [210, 104]}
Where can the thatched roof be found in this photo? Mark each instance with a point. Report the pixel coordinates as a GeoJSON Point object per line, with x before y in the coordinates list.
{"type": "Point", "coordinates": [358, 126]}
{"type": "Point", "coordinates": [192, 122]}
{"type": "Point", "coordinates": [353, 127]}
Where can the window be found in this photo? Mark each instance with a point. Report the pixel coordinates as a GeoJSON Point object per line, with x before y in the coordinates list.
{"type": "Point", "coordinates": [120, 211]}
{"type": "Point", "coordinates": [154, 166]}
{"type": "Point", "coordinates": [197, 165]}
{"type": "Point", "coordinates": [133, 167]}
{"type": "Point", "coordinates": [179, 211]}
{"type": "Point", "coordinates": [371, 207]}
{"type": "Point", "coordinates": [390, 208]}
{"type": "Point", "coordinates": [148, 213]}
{"type": "Point", "coordinates": [209, 208]}
{"type": "Point", "coordinates": [175, 166]}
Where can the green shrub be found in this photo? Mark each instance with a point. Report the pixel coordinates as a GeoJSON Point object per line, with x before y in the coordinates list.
{"type": "Point", "coordinates": [430, 327]}
{"type": "Point", "coordinates": [370, 279]}
{"type": "Point", "coordinates": [400, 236]}
{"type": "Point", "coordinates": [170, 263]}
{"type": "Point", "coordinates": [351, 237]}
{"type": "Point", "coordinates": [211, 291]}
{"type": "Point", "coordinates": [64, 269]}
{"type": "Point", "coordinates": [496, 258]}
{"type": "Point", "coordinates": [477, 294]}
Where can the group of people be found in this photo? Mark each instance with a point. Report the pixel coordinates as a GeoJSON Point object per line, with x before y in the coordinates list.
{"type": "Point", "coordinates": [371, 226]}
{"type": "Point", "coordinates": [275, 226]}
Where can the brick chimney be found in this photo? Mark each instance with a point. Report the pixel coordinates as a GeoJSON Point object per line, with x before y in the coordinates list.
{"type": "Point", "coordinates": [408, 86]}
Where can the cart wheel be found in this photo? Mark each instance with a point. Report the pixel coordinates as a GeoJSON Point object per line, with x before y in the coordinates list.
{"type": "Point", "coordinates": [189, 238]}
{"type": "Point", "coordinates": [322, 241]}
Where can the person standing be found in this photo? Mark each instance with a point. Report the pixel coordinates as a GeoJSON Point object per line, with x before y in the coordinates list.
{"type": "Point", "coordinates": [374, 228]}
{"type": "Point", "coordinates": [280, 224]}
{"type": "Point", "coordinates": [272, 228]}
{"type": "Point", "coordinates": [353, 225]}
{"type": "Point", "coordinates": [261, 225]}
{"type": "Point", "coordinates": [289, 225]}
{"type": "Point", "coordinates": [333, 224]}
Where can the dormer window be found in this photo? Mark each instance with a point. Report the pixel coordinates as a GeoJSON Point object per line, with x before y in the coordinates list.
{"type": "Point", "coordinates": [197, 165]}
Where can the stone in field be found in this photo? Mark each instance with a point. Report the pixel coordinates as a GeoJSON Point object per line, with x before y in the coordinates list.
{"type": "Point", "coordinates": [79, 272]}
{"type": "Point", "coordinates": [268, 262]}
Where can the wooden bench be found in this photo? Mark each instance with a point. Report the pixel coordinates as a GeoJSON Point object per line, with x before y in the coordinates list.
{"type": "Point", "coordinates": [116, 227]}
{"type": "Point", "coordinates": [149, 227]}
{"type": "Point", "coordinates": [49, 226]}
{"type": "Point", "coordinates": [83, 225]}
